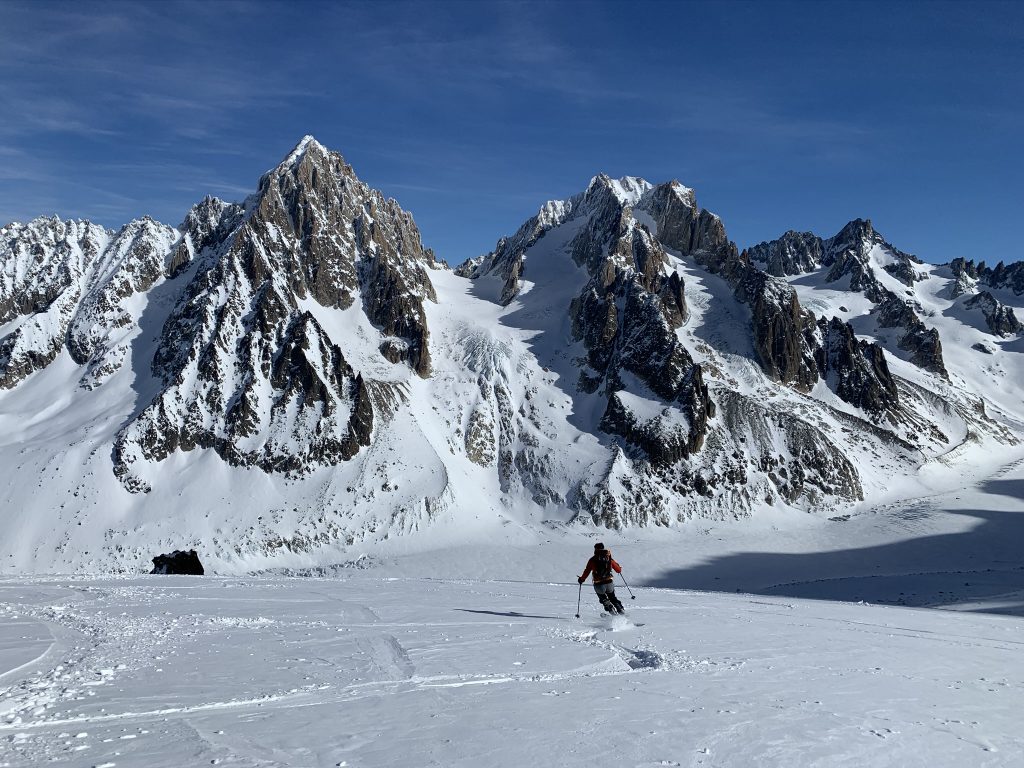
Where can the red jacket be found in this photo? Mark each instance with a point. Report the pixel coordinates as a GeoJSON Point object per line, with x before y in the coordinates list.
{"type": "Point", "coordinates": [590, 567]}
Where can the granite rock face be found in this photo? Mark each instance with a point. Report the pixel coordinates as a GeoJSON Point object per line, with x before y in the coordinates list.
{"type": "Point", "coordinates": [785, 348]}
{"type": "Point", "coordinates": [788, 339]}
{"type": "Point", "coordinates": [965, 276]}
{"type": "Point", "coordinates": [1001, 276]}
{"type": "Point", "coordinates": [857, 370]}
{"type": "Point", "coordinates": [921, 342]}
{"type": "Point", "coordinates": [246, 367]}
{"type": "Point", "coordinates": [792, 254]}
{"type": "Point", "coordinates": [850, 260]}
{"type": "Point", "coordinates": [627, 313]}
{"type": "Point", "coordinates": [241, 362]}
{"type": "Point", "coordinates": [1000, 318]}
{"type": "Point", "coordinates": [848, 253]}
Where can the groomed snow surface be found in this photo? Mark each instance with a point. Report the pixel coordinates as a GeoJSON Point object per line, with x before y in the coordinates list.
{"type": "Point", "coordinates": [473, 656]}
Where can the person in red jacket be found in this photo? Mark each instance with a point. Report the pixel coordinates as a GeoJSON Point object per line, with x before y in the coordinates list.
{"type": "Point", "coordinates": [602, 566]}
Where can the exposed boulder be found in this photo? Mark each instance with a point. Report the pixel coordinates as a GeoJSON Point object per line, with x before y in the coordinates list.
{"type": "Point", "coordinates": [178, 563]}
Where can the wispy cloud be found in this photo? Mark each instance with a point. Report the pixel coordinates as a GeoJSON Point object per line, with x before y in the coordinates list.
{"type": "Point", "coordinates": [88, 72]}
{"type": "Point", "coordinates": [514, 46]}
{"type": "Point", "coordinates": [725, 113]}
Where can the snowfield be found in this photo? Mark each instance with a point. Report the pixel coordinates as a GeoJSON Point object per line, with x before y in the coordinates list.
{"type": "Point", "coordinates": [365, 671]}
{"type": "Point", "coordinates": [472, 656]}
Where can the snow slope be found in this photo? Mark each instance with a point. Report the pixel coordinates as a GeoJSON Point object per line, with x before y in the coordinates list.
{"type": "Point", "coordinates": [364, 671]}
{"type": "Point", "coordinates": [472, 655]}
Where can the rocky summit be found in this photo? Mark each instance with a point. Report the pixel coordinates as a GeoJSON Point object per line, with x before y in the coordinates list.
{"type": "Point", "coordinates": [282, 379]}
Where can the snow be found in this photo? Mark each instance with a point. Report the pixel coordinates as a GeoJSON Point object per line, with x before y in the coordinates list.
{"type": "Point", "coordinates": [417, 601]}
{"type": "Point", "coordinates": [629, 189]}
{"type": "Point", "coordinates": [472, 656]}
{"type": "Point", "coordinates": [995, 378]}
{"type": "Point", "coordinates": [357, 337]}
{"type": "Point", "coordinates": [504, 378]}
{"type": "Point", "coordinates": [295, 156]}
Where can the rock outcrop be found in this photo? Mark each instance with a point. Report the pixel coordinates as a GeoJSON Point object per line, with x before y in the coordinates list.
{"type": "Point", "coordinates": [626, 235]}
{"type": "Point", "coordinates": [849, 259]}
{"type": "Point", "coordinates": [856, 370]}
{"type": "Point", "coordinates": [178, 563]}
{"type": "Point", "coordinates": [921, 342]}
{"type": "Point", "coordinates": [792, 254]}
{"type": "Point", "coordinates": [1000, 318]}
{"type": "Point", "coordinates": [1001, 276]}
{"type": "Point", "coordinates": [627, 313]}
{"type": "Point", "coordinates": [965, 276]}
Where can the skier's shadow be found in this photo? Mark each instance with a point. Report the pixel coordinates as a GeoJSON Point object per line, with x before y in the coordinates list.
{"type": "Point", "coordinates": [511, 614]}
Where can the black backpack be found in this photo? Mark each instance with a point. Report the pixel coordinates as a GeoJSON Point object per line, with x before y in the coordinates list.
{"type": "Point", "coordinates": [603, 565]}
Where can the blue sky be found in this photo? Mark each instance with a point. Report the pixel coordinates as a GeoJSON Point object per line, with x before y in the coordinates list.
{"type": "Point", "coordinates": [781, 115]}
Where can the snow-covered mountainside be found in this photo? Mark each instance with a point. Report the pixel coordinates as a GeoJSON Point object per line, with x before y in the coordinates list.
{"type": "Point", "coordinates": [283, 380]}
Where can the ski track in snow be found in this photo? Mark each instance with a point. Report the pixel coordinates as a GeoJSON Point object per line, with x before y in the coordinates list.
{"type": "Point", "coordinates": [363, 671]}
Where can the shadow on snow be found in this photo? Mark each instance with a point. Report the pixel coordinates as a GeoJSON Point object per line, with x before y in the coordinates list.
{"type": "Point", "coordinates": [983, 564]}
{"type": "Point", "coordinates": [510, 614]}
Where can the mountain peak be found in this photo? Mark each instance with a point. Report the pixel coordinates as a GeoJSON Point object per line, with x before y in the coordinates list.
{"type": "Point", "coordinates": [627, 190]}
{"type": "Point", "coordinates": [856, 228]}
{"type": "Point", "coordinates": [306, 144]}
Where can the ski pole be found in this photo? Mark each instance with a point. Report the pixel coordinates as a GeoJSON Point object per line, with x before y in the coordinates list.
{"type": "Point", "coordinates": [631, 595]}
{"type": "Point", "coordinates": [578, 598]}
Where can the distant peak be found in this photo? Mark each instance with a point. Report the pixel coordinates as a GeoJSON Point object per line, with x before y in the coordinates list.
{"type": "Point", "coordinates": [859, 224]}
{"type": "Point", "coordinates": [628, 190]}
{"type": "Point", "coordinates": [307, 143]}
{"type": "Point", "coordinates": [685, 194]}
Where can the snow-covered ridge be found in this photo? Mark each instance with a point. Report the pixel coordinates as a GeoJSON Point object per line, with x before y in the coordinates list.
{"type": "Point", "coordinates": [308, 143]}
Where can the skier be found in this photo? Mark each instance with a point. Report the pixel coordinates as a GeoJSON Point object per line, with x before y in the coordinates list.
{"type": "Point", "coordinates": [602, 564]}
